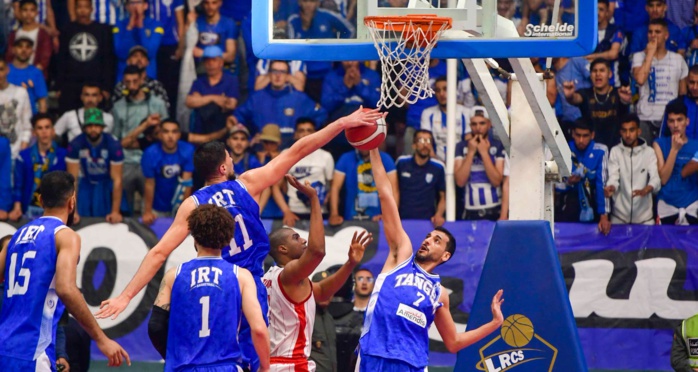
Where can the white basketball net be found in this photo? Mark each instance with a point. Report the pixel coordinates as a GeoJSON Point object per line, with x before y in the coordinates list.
{"type": "Point", "coordinates": [404, 50]}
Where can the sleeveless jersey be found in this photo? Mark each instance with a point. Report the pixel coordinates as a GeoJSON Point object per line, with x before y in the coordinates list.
{"type": "Point", "coordinates": [31, 307]}
{"type": "Point", "coordinates": [399, 314]}
{"type": "Point", "coordinates": [290, 326]}
{"type": "Point", "coordinates": [205, 311]}
{"type": "Point", "coordinates": [250, 245]}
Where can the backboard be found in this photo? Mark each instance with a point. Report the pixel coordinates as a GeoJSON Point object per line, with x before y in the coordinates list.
{"type": "Point", "coordinates": [481, 28]}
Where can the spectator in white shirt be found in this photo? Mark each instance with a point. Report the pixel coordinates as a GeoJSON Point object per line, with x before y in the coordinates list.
{"type": "Point", "coordinates": [434, 119]}
{"type": "Point", "coordinates": [15, 112]}
{"type": "Point", "coordinates": [71, 121]}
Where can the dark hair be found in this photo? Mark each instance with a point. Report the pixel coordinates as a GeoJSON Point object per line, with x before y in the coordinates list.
{"type": "Point", "coordinates": [208, 157]}
{"type": "Point", "coordinates": [39, 116]}
{"type": "Point", "coordinates": [451, 245]}
{"type": "Point", "coordinates": [25, 2]}
{"type": "Point", "coordinates": [648, 2]}
{"type": "Point", "coordinates": [276, 238]}
{"type": "Point", "coordinates": [361, 268]}
{"type": "Point", "coordinates": [211, 226]}
{"type": "Point", "coordinates": [4, 241]}
{"type": "Point", "coordinates": [91, 84]}
{"type": "Point", "coordinates": [288, 66]}
{"type": "Point", "coordinates": [694, 69]}
{"type": "Point", "coordinates": [601, 61]}
{"type": "Point", "coordinates": [583, 125]}
{"type": "Point", "coordinates": [630, 118]}
{"type": "Point", "coordinates": [440, 79]}
{"type": "Point", "coordinates": [659, 22]}
{"type": "Point", "coordinates": [305, 120]}
{"type": "Point", "coordinates": [56, 188]}
{"type": "Point", "coordinates": [170, 121]}
{"type": "Point", "coordinates": [132, 70]}
{"type": "Point", "coordinates": [676, 107]}
{"type": "Point", "coordinates": [605, 2]}
{"type": "Point", "coordinates": [418, 131]}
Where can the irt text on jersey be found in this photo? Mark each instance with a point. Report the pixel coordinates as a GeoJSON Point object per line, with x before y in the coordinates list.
{"type": "Point", "coordinates": [201, 276]}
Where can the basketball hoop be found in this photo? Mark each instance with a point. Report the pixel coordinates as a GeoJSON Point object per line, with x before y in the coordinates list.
{"type": "Point", "coordinates": [404, 44]}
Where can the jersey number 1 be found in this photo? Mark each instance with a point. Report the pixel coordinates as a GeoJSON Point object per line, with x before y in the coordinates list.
{"type": "Point", "coordinates": [234, 249]}
{"type": "Point", "coordinates": [14, 288]}
{"type": "Point", "coordinates": [205, 305]}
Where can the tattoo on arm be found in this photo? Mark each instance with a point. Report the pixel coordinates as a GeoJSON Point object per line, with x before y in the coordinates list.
{"type": "Point", "coordinates": [161, 293]}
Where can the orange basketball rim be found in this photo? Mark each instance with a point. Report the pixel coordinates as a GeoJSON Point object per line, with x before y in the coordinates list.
{"type": "Point", "coordinates": [417, 29]}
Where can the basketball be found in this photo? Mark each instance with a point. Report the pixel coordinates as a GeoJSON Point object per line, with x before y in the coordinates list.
{"type": "Point", "coordinates": [367, 137]}
{"type": "Point", "coordinates": [517, 330]}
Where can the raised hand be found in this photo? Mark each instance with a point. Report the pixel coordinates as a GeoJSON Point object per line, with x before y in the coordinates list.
{"type": "Point", "coordinates": [305, 188]}
{"type": "Point", "coordinates": [358, 246]}
{"type": "Point", "coordinates": [568, 88]}
{"type": "Point", "coordinates": [360, 118]}
{"type": "Point", "coordinates": [496, 307]}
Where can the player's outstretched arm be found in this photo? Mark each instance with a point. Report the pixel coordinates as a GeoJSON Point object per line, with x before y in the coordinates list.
{"type": "Point", "coordinates": [158, 325]}
{"type": "Point", "coordinates": [256, 180]}
{"type": "Point", "coordinates": [253, 314]}
{"type": "Point", "coordinates": [298, 270]}
{"type": "Point", "coordinates": [152, 262]}
{"type": "Point", "coordinates": [68, 249]}
{"type": "Point", "coordinates": [325, 289]}
{"type": "Point", "coordinates": [398, 241]}
{"type": "Point", "coordinates": [457, 341]}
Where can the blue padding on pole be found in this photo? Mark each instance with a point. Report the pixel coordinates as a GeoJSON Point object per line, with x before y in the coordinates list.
{"type": "Point", "coordinates": [539, 331]}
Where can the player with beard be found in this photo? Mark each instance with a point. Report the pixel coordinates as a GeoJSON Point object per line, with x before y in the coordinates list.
{"type": "Point", "coordinates": [407, 296]}
{"type": "Point", "coordinates": [39, 269]}
{"type": "Point", "coordinates": [292, 296]}
{"type": "Point", "coordinates": [240, 196]}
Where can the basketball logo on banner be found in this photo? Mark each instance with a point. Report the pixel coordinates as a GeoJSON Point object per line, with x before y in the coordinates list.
{"type": "Point", "coordinates": [516, 345]}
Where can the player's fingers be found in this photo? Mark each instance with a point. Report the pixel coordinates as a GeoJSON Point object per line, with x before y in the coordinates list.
{"type": "Point", "coordinates": [117, 358]}
{"type": "Point", "coordinates": [353, 239]}
{"type": "Point", "coordinates": [126, 356]}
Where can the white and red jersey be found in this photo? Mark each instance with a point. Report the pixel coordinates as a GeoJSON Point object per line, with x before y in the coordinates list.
{"type": "Point", "coordinates": [290, 326]}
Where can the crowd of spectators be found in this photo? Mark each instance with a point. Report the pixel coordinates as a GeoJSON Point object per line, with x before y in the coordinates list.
{"type": "Point", "coordinates": [100, 88]}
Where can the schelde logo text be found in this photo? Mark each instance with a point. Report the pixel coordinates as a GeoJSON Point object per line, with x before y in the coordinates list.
{"type": "Point", "coordinates": [555, 30]}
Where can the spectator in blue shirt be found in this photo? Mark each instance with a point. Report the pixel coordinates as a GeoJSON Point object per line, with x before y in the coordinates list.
{"type": "Point", "coordinates": [279, 103]}
{"type": "Point", "coordinates": [5, 178]}
{"type": "Point", "coordinates": [610, 41]}
{"type": "Point", "coordinates": [314, 23]}
{"type": "Point", "coordinates": [170, 13]}
{"type": "Point", "coordinates": [214, 96]}
{"type": "Point", "coordinates": [167, 167]}
{"type": "Point", "coordinates": [354, 173]}
{"type": "Point", "coordinates": [137, 29]}
{"type": "Point", "coordinates": [690, 36]}
{"type": "Point", "coordinates": [581, 197]}
{"type": "Point", "coordinates": [33, 162]}
{"type": "Point", "coordinates": [238, 143]}
{"type": "Point", "coordinates": [28, 76]}
{"type": "Point", "coordinates": [349, 86]}
{"type": "Point", "coordinates": [215, 29]}
{"type": "Point", "coordinates": [96, 161]}
{"type": "Point", "coordinates": [570, 70]}
{"type": "Point", "coordinates": [437, 68]}
{"type": "Point", "coordinates": [656, 9]}
{"type": "Point", "coordinates": [422, 182]}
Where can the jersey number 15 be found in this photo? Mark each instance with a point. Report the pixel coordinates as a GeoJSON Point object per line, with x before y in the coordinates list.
{"type": "Point", "coordinates": [14, 287]}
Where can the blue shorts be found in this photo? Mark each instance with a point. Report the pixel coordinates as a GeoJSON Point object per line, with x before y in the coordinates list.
{"type": "Point", "coordinates": [41, 364]}
{"type": "Point", "coordinates": [370, 363]}
{"type": "Point", "coordinates": [249, 355]}
{"type": "Point", "coordinates": [216, 368]}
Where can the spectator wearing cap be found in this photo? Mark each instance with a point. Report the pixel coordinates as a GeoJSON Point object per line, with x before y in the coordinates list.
{"type": "Point", "coordinates": [323, 348]}
{"type": "Point", "coordinates": [138, 56]}
{"type": "Point", "coordinates": [86, 54]}
{"type": "Point", "coordinates": [317, 169]}
{"type": "Point", "coordinates": [168, 167]}
{"type": "Point", "coordinates": [32, 163]}
{"type": "Point", "coordinates": [24, 74]}
{"type": "Point", "coordinates": [70, 122]}
{"type": "Point", "coordinates": [434, 119]}
{"type": "Point", "coordinates": [15, 112]}
{"type": "Point", "coordinates": [656, 10]}
{"type": "Point", "coordinates": [581, 197]}
{"type": "Point", "coordinates": [96, 159]}
{"type": "Point", "coordinates": [238, 143]}
{"type": "Point", "coordinates": [137, 29]}
{"type": "Point", "coordinates": [279, 103]}
{"type": "Point", "coordinates": [216, 29]}
{"type": "Point", "coordinates": [133, 114]}
{"type": "Point", "coordinates": [42, 47]}
{"type": "Point", "coordinates": [270, 137]}
{"type": "Point", "coordinates": [214, 96]}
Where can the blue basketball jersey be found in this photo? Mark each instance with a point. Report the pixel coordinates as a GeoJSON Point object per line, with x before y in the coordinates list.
{"type": "Point", "coordinates": [250, 244]}
{"type": "Point", "coordinates": [205, 311]}
{"type": "Point", "coordinates": [399, 314]}
{"type": "Point", "coordinates": [31, 308]}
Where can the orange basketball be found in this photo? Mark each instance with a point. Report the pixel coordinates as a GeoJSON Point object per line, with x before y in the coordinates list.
{"type": "Point", "coordinates": [367, 137]}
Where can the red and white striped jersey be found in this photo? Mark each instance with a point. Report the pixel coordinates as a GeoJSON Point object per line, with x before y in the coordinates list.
{"type": "Point", "coordinates": [290, 326]}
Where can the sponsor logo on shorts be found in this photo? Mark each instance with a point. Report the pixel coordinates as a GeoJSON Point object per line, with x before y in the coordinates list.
{"type": "Point", "coordinates": [415, 316]}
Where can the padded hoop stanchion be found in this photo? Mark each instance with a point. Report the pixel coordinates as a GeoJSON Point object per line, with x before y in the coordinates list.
{"type": "Point", "coordinates": [404, 44]}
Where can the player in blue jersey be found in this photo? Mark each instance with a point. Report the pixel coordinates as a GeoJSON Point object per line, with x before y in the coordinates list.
{"type": "Point", "coordinates": [199, 307]}
{"type": "Point", "coordinates": [39, 270]}
{"type": "Point", "coordinates": [407, 296]}
{"type": "Point", "coordinates": [239, 195]}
